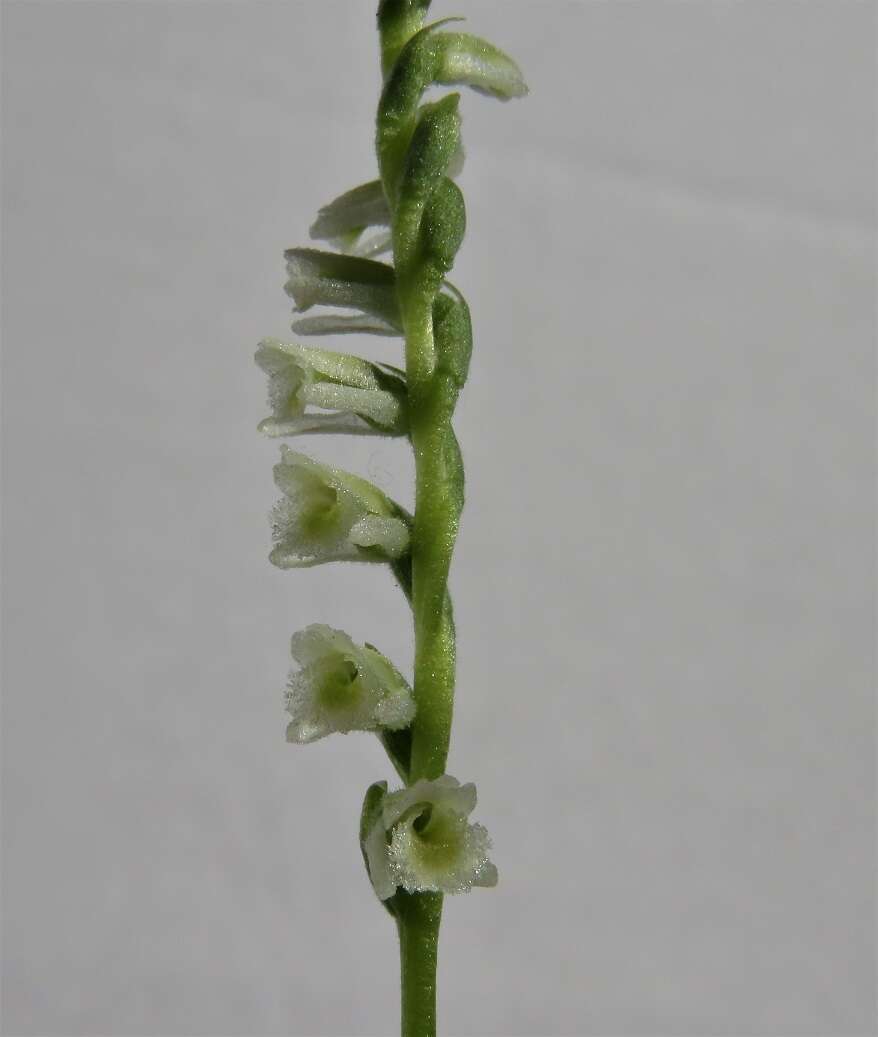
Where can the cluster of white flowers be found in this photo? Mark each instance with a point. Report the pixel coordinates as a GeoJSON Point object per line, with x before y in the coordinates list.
{"type": "Point", "coordinates": [420, 837]}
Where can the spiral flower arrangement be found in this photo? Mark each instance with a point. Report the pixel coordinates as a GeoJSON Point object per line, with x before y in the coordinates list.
{"type": "Point", "coordinates": [418, 842]}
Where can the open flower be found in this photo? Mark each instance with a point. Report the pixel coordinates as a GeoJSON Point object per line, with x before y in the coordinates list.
{"type": "Point", "coordinates": [355, 396]}
{"type": "Point", "coordinates": [342, 687]}
{"type": "Point", "coordinates": [327, 515]}
{"type": "Point", "coordinates": [421, 840]}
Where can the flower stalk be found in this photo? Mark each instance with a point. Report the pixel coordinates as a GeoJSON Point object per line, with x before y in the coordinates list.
{"type": "Point", "coordinates": [418, 843]}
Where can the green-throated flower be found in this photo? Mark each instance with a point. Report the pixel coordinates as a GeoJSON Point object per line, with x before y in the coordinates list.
{"type": "Point", "coordinates": [420, 839]}
{"type": "Point", "coordinates": [328, 515]}
{"type": "Point", "coordinates": [342, 687]}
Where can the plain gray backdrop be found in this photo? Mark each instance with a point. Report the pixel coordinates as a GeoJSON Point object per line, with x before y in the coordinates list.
{"type": "Point", "coordinates": [665, 576]}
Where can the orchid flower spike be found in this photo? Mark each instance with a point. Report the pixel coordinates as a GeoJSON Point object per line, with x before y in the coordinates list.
{"type": "Point", "coordinates": [354, 396]}
{"type": "Point", "coordinates": [327, 515]}
{"type": "Point", "coordinates": [419, 838]}
{"type": "Point", "coordinates": [342, 687]}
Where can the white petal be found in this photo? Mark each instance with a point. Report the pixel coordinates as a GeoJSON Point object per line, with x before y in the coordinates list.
{"type": "Point", "coordinates": [318, 640]}
{"type": "Point", "coordinates": [389, 534]}
{"type": "Point", "coordinates": [363, 206]}
{"type": "Point", "coordinates": [394, 712]}
{"type": "Point", "coordinates": [379, 405]}
{"type": "Point", "coordinates": [373, 245]}
{"type": "Point", "coordinates": [274, 356]}
{"type": "Point", "coordinates": [347, 424]}
{"type": "Point", "coordinates": [344, 324]}
{"type": "Point", "coordinates": [444, 791]}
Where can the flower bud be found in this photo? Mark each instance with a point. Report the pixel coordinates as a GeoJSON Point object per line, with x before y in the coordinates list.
{"type": "Point", "coordinates": [431, 216]}
{"type": "Point", "coordinates": [471, 61]}
{"type": "Point", "coordinates": [342, 687]}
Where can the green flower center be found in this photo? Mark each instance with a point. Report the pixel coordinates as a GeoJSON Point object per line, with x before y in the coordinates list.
{"type": "Point", "coordinates": [337, 683]}
{"type": "Point", "coordinates": [320, 512]}
{"type": "Point", "coordinates": [438, 837]}
{"type": "Point", "coordinates": [284, 391]}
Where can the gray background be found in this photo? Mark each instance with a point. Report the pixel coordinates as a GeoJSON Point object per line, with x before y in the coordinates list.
{"type": "Point", "coordinates": [665, 575]}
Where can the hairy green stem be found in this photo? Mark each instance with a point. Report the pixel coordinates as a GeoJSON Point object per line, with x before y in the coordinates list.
{"type": "Point", "coordinates": [416, 144]}
{"type": "Point", "coordinates": [434, 532]}
{"type": "Point", "coordinates": [417, 841]}
{"type": "Point", "coordinates": [418, 916]}
{"type": "Point", "coordinates": [435, 529]}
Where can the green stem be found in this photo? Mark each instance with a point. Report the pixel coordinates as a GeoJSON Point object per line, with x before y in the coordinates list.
{"type": "Point", "coordinates": [435, 530]}
{"type": "Point", "coordinates": [418, 917]}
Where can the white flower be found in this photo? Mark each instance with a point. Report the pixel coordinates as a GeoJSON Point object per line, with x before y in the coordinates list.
{"type": "Point", "coordinates": [342, 687]}
{"type": "Point", "coordinates": [329, 515]}
{"type": "Point", "coordinates": [423, 842]}
{"type": "Point", "coordinates": [318, 278]}
{"type": "Point", "coordinates": [356, 396]}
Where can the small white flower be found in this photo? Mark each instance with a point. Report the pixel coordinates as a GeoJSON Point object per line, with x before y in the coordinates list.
{"type": "Point", "coordinates": [329, 515]}
{"type": "Point", "coordinates": [355, 396]}
{"type": "Point", "coordinates": [342, 687]}
{"type": "Point", "coordinates": [423, 842]}
{"type": "Point", "coordinates": [318, 278]}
